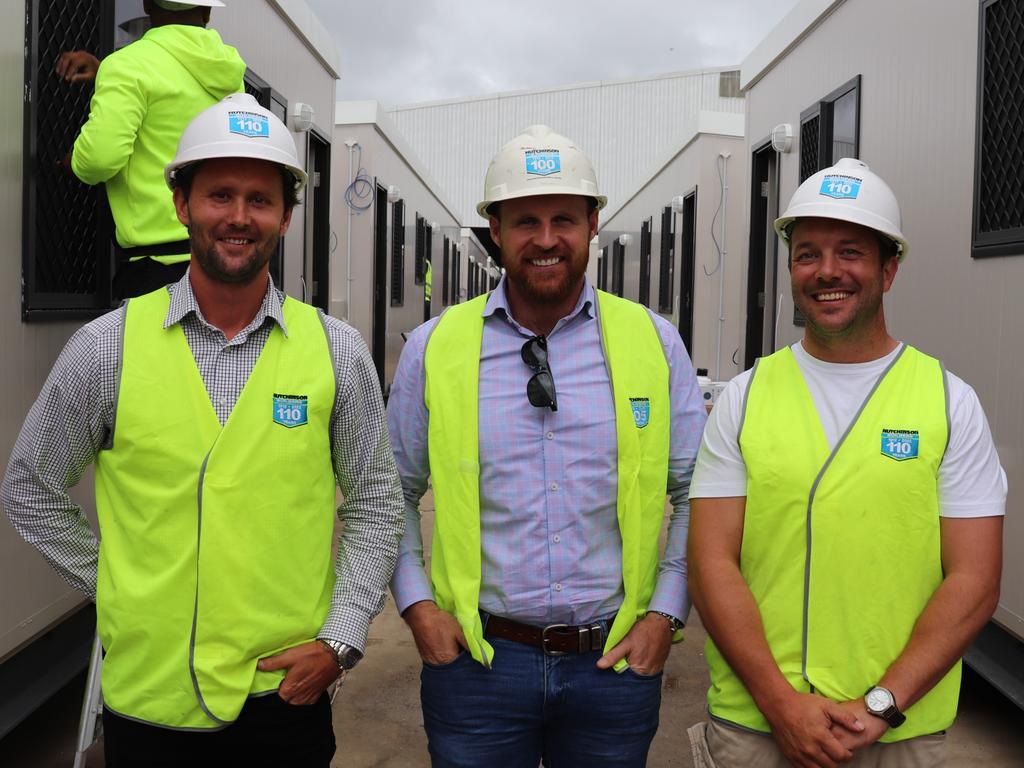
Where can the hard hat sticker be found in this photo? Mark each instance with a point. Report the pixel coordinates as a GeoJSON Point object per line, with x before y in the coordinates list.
{"type": "Point", "coordinates": [290, 410]}
{"type": "Point", "coordinates": [900, 444]}
{"type": "Point", "coordinates": [543, 162]}
{"type": "Point", "coordinates": [249, 124]}
{"type": "Point", "coordinates": [840, 187]}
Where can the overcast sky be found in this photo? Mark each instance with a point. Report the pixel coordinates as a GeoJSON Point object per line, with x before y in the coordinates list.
{"type": "Point", "coordinates": [401, 51]}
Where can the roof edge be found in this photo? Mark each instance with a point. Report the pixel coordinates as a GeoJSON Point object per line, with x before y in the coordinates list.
{"type": "Point", "coordinates": [370, 112]}
{"type": "Point", "coordinates": [307, 25]}
{"type": "Point", "coordinates": [784, 37]}
{"type": "Point", "coordinates": [704, 123]}
{"type": "Point", "coordinates": [556, 88]}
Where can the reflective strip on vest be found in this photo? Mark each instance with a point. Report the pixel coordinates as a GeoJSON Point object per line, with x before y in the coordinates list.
{"type": "Point", "coordinates": [841, 548]}
{"type": "Point", "coordinates": [215, 542]}
{"type": "Point", "coordinates": [637, 368]}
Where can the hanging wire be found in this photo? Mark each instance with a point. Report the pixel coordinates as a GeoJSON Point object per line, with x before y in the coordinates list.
{"type": "Point", "coordinates": [719, 164]}
{"type": "Point", "coordinates": [361, 188]}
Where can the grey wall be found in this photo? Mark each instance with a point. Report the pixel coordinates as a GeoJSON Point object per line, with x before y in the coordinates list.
{"type": "Point", "coordinates": [380, 160]}
{"type": "Point", "coordinates": [694, 167]}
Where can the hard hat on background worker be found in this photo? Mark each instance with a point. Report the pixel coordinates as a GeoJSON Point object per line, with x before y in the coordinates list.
{"type": "Point", "coordinates": [539, 162]}
{"type": "Point", "coordinates": [170, 5]}
{"type": "Point", "coordinates": [848, 191]}
{"type": "Point", "coordinates": [237, 126]}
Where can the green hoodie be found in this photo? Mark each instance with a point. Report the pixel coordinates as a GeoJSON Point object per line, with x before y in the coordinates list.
{"type": "Point", "coordinates": [146, 93]}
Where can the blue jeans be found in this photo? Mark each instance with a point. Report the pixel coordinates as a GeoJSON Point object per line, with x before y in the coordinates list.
{"type": "Point", "coordinates": [530, 706]}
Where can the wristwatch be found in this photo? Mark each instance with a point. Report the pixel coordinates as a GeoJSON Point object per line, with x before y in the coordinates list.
{"type": "Point", "coordinates": [346, 656]}
{"type": "Point", "coordinates": [674, 623]}
{"type": "Point", "coordinates": [881, 703]}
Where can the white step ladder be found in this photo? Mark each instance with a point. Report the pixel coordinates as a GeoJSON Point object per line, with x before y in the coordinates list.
{"type": "Point", "coordinates": [91, 724]}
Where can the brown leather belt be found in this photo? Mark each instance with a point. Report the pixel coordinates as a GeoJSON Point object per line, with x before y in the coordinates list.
{"type": "Point", "coordinates": [554, 639]}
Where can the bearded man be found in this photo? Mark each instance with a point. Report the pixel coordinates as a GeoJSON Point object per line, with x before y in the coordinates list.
{"type": "Point", "coordinates": [552, 420]}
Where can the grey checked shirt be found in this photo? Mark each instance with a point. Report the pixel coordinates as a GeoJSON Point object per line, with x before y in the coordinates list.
{"type": "Point", "coordinates": [73, 417]}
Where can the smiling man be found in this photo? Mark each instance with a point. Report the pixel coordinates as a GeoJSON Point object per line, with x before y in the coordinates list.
{"type": "Point", "coordinates": [552, 420]}
{"type": "Point", "coordinates": [221, 416]}
{"type": "Point", "coordinates": [848, 504]}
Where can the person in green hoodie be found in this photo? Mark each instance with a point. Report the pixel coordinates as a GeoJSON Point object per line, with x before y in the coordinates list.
{"type": "Point", "coordinates": [146, 93]}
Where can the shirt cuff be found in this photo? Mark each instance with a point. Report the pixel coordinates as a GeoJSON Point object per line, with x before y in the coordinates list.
{"type": "Point", "coordinates": [410, 585]}
{"type": "Point", "coordinates": [671, 597]}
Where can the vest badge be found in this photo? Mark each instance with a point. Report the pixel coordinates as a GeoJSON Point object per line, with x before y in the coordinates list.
{"type": "Point", "coordinates": [641, 407]}
{"type": "Point", "coordinates": [290, 410]}
{"type": "Point", "coordinates": [900, 444]}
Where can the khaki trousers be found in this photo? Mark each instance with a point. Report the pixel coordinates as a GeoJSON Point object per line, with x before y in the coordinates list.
{"type": "Point", "coordinates": [716, 745]}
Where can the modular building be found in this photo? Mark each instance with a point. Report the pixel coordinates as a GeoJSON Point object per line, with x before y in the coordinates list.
{"type": "Point", "coordinates": [624, 126]}
{"type": "Point", "coordinates": [402, 254]}
{"type": "Point", "coordinates": [929, 95]}
{"type": "Point", "coordinates": [671, 244]}
{"type": "Point", "coordinates": [60, 260]}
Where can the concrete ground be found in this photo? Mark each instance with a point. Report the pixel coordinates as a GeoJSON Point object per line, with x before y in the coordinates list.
{"type": "Point", "coordinates": [378, 723]}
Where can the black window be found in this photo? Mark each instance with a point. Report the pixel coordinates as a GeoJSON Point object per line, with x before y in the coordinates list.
{"type": "Point", "coordinates": [444, 270]}
{"type": "Point", "coordinates": [602, 269]}
{"type": "Point", "coordinates": [397, 253]}
{"type": "Point", "coordinates": [456, 277]}
{"type": "Point", "coordinates": [645, 262]}
{"type": "Point", "coordinates": [666, 267]}
{"type": "Point", "coordinates": [420, 254]}
{"type": "Point", "coordinates": [830, 129]}
{"type": "Point", "coordinates": [66, 227]}
{"type": "Point", "coordinates": [998, 222]}
{"type": "Point", "coordinates": [618, 266]}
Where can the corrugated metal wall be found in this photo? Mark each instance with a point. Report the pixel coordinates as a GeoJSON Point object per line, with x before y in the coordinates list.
{"type": "Point", "coordinates": [625, 127]}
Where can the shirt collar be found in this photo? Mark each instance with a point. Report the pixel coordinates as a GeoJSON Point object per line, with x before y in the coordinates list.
{"type": "Point", "coordinates": [183, 303]}
{"type": "Point", "coordinates": [498, 300]}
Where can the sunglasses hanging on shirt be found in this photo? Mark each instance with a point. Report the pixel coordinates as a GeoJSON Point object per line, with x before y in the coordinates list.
{"type": "Point", "coordinates": [540, 389]}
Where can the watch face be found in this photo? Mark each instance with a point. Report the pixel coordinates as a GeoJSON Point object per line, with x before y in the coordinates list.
{"type": "Point", "coordinates": [878, 700]}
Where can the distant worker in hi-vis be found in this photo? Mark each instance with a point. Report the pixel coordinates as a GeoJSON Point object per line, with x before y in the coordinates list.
{"type": "Point", "coordinates": [848, 502]}
{"type": "Point", "coordinates": [221, 417]}
{"type": "Point", "coordinates": [552, 421]}
{"type": "Point", "coordinates": [146, 93]}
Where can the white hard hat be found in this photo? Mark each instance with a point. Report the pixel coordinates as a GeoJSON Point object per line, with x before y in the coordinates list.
{"type": "Point", "coordinates": [539, 162]}
{"type": "Point", "coordinates": [237, 126]}
{"type": "Point", "coordinates": [848, 191]}
{"type": "Point", "coordinates": [173, 5]}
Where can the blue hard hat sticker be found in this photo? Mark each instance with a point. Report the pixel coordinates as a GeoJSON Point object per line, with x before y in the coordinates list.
{"type": "Point", "coordinates": [543, 162]}
{"type": "Point", "coordinates": [251, 124]}
{"type": "Point", "coordinates": [840, 187]}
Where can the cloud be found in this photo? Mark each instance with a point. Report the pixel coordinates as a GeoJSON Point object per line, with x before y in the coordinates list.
{"type": "Point", "coordinates": [401, 52]}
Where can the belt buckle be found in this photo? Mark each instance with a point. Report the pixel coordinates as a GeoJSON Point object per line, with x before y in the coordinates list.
{"type": "Point", "coordinates": [544, 639]}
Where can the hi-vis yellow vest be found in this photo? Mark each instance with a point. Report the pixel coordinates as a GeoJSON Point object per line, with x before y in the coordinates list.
{"type": "Point", "coordinates": [215, 542]}
{"type": "Point", "coordinates": [841, 548]}
{"type": "Point", "coordinates": [639, 378]}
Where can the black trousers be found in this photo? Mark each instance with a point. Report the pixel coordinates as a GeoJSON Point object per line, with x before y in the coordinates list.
{"type": "Point", "coordinates": [139, 277]}
{"type": "Point", "coordinates": [269, 733]}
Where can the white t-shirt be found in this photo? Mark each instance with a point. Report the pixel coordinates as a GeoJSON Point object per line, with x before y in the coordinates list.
{"type": "Point", "coordinates": [971, 480]}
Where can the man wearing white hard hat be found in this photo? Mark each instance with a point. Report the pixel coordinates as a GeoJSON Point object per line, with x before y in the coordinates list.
{"type": "Point", "coordinates": [221, 417]}
{"type": "Point", "coordinates": [146, 93]}
{"type": "Point", "coordinates": [552, 420]}
{"type": "Point", "coordinates": [848, 501]}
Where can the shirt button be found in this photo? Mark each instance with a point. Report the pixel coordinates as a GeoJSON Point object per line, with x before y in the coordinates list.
{"type": "Point", "coordinates": [550, 435]}
{"type": "Point", "coordinates": [554, 486]}
{"type": "Point", "coordinates": [556, 538]}
{"type": "Point", "coordinates": [558, 587]}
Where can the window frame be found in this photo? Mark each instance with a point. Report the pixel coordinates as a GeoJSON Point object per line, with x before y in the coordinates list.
{"type": "Point", "coordinates": [1009, 242]}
